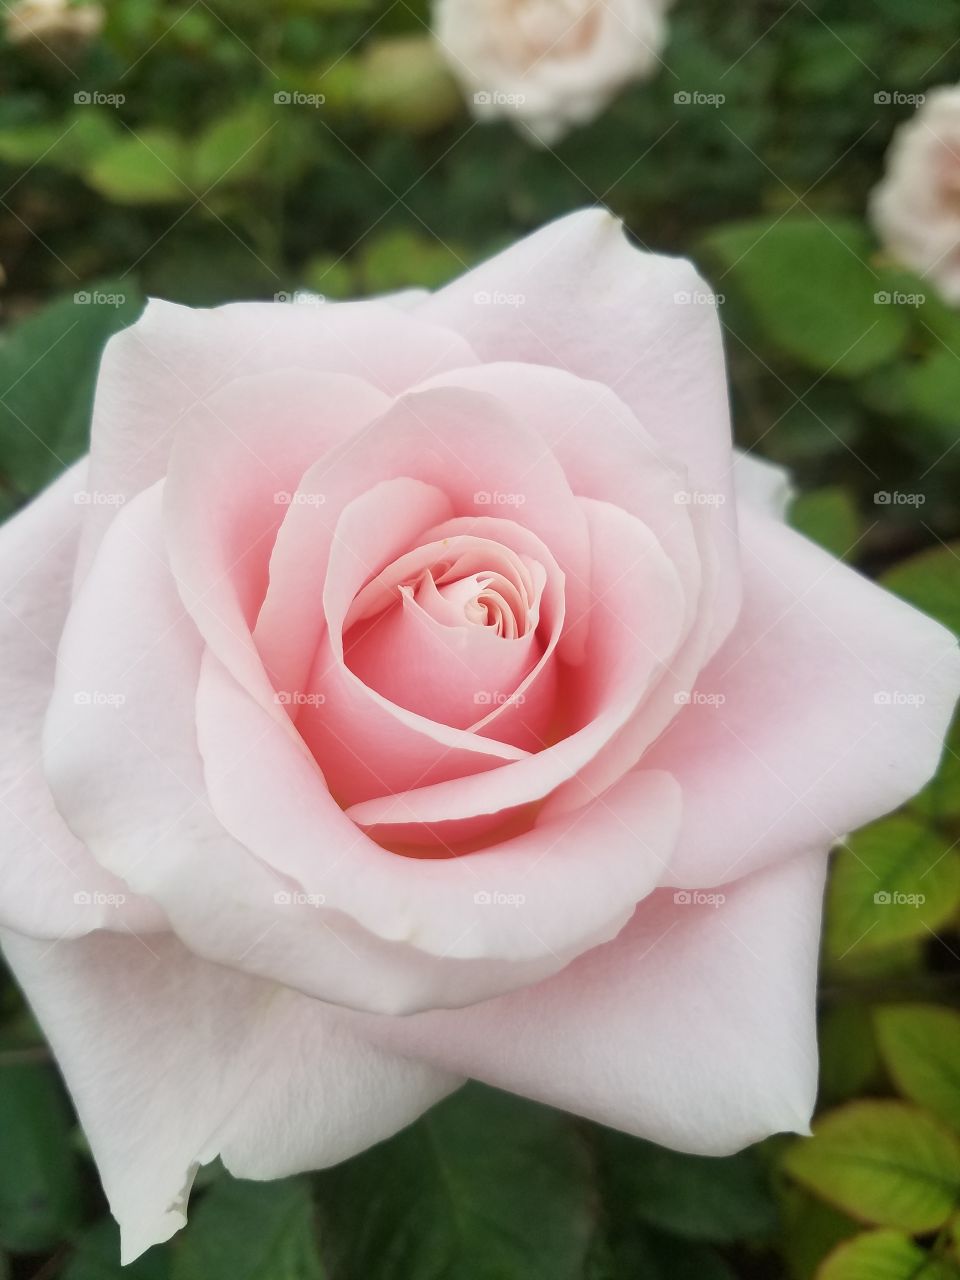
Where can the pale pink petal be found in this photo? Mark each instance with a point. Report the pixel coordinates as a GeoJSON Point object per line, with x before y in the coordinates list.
{"type": "Point", "coordinates": [235, 464]}
{"type": "Point", "coordinates": [368, 743]}
{"type": "Point", "coordinates": [481, 922]}
{"type": "Point", "coordinates": [172, 1061]}
{"type": "Point", "coordinates": [695, 1028]}
{"type": "Point", "coordinates": [826, 708]}
{"type": "Point", "coordinates": [174, 357]}
{"type": "Point", "coordinates": [52, 887]}
{"type": "Point", "coordinates": [644, 325]}
{"type": "Point", "coordinates": [364, 743]}
{"type": "Point", "coordinates": [474, 449]}
{"type": "Point", "coordinates": [130, 781]}
{"type": "Point", "coordinates": [762, 484]}
{"type": "Point", "coordinates": [606, 454]}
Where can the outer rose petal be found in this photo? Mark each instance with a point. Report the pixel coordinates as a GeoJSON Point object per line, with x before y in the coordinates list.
{"type": "Point", "coordinates": [594, 306]}
{"type": "Point", "coordinates": [172, 1061]}
{"type": "Point", "coordinates": [42, 864]}
{"type": "Point", "coordinates": [695, 1028]}
{"type": "Point", "coordinates": [801, 750]}
{"type": "Point", "coordinates": [229, 470]}
{"type": "Point", "coordinates": [762, 485]}
{"type": "Point", "coordinates": [175, 357]}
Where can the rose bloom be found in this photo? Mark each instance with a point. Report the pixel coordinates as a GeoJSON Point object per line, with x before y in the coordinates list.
{"type": "Point", "coordinates": [548, 64]}
{"type": "Point", "coordinates": [52, 22]}
{"type": "Point", "coordinates": [916, 207]}
{"type": "Point", "coordinates": [417, 689]}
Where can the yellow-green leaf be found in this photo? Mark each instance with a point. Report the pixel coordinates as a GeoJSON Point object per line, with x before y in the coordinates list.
{"type": "Point", "coordinates": [883, 1255]}
{"type": "Point", "coordinates": [920, 1045]}
{"type": "Point", "coordinates": [892, 881]}
{"type": "Point", "coordinates": [886, 1163]}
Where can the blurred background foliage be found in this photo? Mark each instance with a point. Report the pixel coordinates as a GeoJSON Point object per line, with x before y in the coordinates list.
{"type": "Point", "coordinates": [205, 152]}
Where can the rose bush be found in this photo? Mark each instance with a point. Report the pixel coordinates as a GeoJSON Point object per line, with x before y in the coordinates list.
{"type": "Point", "coordinates": [417, 689]}
{"type": "Point", "coordinates": [916, 206]}
{"type": "Point", "coordinates": [548, 64]}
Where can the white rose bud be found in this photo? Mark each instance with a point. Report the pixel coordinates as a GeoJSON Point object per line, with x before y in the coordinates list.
{"type": "Point", "coordinates": [916, 207]}
{"type": "Point", "coordinates": [548, 64]}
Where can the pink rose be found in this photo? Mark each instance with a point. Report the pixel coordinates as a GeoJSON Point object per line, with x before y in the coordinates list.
{"type": "Point", "coordinates": [432, 657]}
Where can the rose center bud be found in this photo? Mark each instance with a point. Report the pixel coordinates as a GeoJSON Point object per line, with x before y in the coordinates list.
{"type": "Point", "coordinates": [448, 630]}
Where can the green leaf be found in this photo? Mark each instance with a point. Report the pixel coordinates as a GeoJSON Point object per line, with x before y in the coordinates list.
{"type": "Point", "coordinates": [883, 1162]}
{"type": "Point", "coordinates": [149, 167]}
{"type": "Point", "coordinates": [931, 582]}
{"type": "Point", "coordinates": [717, 1199]}
{"type": "Point", "coordinates": [940, 798]}
{"type": "Point", "coordinates": [920, 1045]}
{"type": "Point", "coordinates": [232, 148]}
{"type": "Point", "coordinates": [811, 1229]}
{"type": "Point", "coordinates": [829, 516]}
{"type": "Point", "coordinates": [48, 367]}
{"type": "Point", "coordinates": [250, 1231]}
{"type": "Point", "coordinates": [405, 258]}
{"type": "Point", "coordinates": [883, 1255]}
{"type": "Point", "coordinates": [97, 1257]}
{"type": "Point", "coordinates": [641, 1253]}
{"type": "Point", "coordinates": [892, 881]}
{"type": "Point", "coordinates": [848, 1052]}
{"type": "Point", "coordinates": [39, 1178]}
{"type": "Point", "coordinates": [484, 1187]}
{"type": "Point", "coordinates": [406, 84]}
{"type": "Point", "coordinates": [812, 291]}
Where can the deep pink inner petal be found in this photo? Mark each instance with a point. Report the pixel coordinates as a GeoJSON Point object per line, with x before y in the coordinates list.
{"type": "Point", "coordinates": [450, 629]}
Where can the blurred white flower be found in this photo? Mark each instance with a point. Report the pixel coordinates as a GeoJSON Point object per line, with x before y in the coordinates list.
{"type": "Point", "coordinates": [548, 64]}
{"type": "Point", "coordinates": [51, 21]}
{"type": "Point", "coordinates": [916, 207]}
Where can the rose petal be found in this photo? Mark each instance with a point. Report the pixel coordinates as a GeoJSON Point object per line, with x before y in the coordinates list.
{"type": "Point", "coordinates": [578, 876]}
{"type": "Point", "coordinates": [606, 454]}
{"type": "Point", "coordinates": [762, 484]}
{"type": "Point", "coordinates": [643, 325]}
{"type": "Point", "coordinates": [203, 1061]}
{"type": "Point", "coordinates": [695, 1028]}
{"type": "Point", "coordinates": [174, 357]}
{"type": "Point", "coordinates": [131, 783]}
{"type": "Point", "coordinates": [51, 886]}
{"type": "Point", "coordinates": [422, 655]}
{"type": "Point", "coordinates": [637, 623]}
{"type": "Point", "coordinates": [470, 447]}
{"type": "Point", "coordinates": [827, 707]}
{"type": "Point", "coordinates": [235, 463]}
